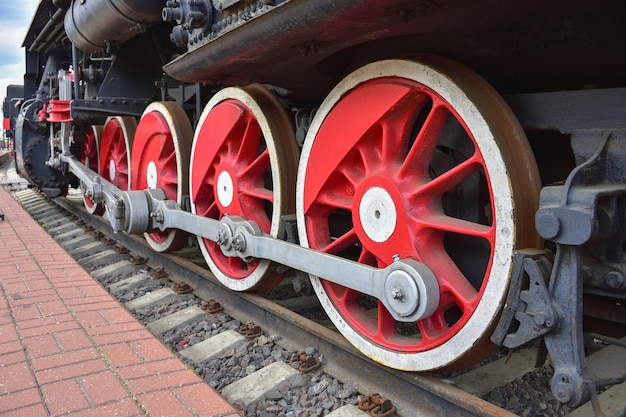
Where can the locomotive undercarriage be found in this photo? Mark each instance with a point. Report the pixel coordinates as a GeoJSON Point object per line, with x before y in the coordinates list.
{"type": "Point", "coordinates": [431, 197]}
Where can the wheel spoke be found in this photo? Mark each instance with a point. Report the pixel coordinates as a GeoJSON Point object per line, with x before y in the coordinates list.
{"type": "Point", "coordinates": [448, 180]}
{"type": "Point", "coordinates": [247, 142]}
{"type": "Point", "coordinates": [342, 243]}
{"type": "Point", "coordinates": [257, 193]}
{"type": "Point", "coordinates": [450, 278]}
{"type": "Point", "coordinates": [259, 165]}
{"type": "Point", "coordinates": [445, 223]}
{"type": "Point", "coordinates": [418, 159]}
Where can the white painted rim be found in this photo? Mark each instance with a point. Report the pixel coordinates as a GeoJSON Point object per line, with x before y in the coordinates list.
{"type": "Point", "coordinates": [493, 297]}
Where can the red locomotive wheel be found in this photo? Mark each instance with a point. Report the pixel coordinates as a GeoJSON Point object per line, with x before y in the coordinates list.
{"type": "Point", "coordinates": [420, 161]}
{"type": "Point", "coordinates": [160, 159]}
{"type": "Point", "coordinates": [90, 157]}
{"type": "Point", "coordinates": [243, 163]}
{"type": "Point", "coordinates": [117, 139]}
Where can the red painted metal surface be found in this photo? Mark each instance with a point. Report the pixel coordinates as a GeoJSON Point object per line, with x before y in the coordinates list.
{"type": "Point", "coordinates": [390, 129]}
{"type": "Point", "coordinates": [59, 111]}
{"type": "Point", "coordinates": [153, 143]}
{"type": "Point", "coordinates": [89, 157]}
{"type": "Point", "coordinates": [230, 142]}
{"type": "Point", "coordinates": [114, 165]}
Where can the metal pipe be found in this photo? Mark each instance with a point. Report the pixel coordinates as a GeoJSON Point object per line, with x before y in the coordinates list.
{"type": "Point", "coordinates": [76, 71]}
{"type": "Point", "coordinates": [42, 37]}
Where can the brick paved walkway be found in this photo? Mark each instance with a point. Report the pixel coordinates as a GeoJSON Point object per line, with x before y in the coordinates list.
{"type": "Point", "coordinates": [67, 348]}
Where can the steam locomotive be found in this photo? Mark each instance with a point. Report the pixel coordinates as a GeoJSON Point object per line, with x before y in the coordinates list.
{"type": "Point", "coordinates": [449, 174]}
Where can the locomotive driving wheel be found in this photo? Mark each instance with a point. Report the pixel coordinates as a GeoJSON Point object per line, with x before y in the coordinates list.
{"type": "Point", "coordinates": [115, 146]}
{"type": "Point", "coordinates": [419, 160]}
{"type": "Point", "coordinates": [160, 159]}
{"type": "Point", "coordinates": [243, 163]}
{"type": "Point", "coordinates": [90, 157]}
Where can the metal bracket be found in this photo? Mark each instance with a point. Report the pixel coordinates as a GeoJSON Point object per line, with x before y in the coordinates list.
{"type": "Point", "coordinates": [529, 302]}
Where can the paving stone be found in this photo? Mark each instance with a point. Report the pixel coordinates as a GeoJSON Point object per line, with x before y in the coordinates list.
{"type": "Point", "coordinates": [180, 318]}
{"type": "Point", "coordinates": [131, 283]}
{"type": "Point", "coordinates": [145, 302]}
{"type": "Point", "coordinates": [213, 347]}
{"type": "Point", "coordinates": [253, 388]}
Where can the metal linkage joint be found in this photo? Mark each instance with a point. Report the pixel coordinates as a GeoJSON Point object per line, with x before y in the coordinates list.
{"type": "Point", "coordinates": [529, 311]}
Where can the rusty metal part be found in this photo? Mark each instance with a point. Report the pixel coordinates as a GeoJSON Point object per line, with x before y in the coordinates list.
{"type": "Point", "coordinates": [80, 222]}
{"type": "Point", "coordinates": [98, 234]}
{"type": "Point", "coordinates": [138, 260]}
{"type": "Point", "coordinates": [122, 250]}
{"type": "Point", "coordinates": [212, 307]}
{"type": "Point", "coordinates": [250, 330]}
{"type": "Point", "coordinates": [108, 241]}
{"type": "Point", "coordinates": [182, 288]}
{"type": "Point", "coordinates": [89, 228]}
{"type": "Point", "coordinates": [158, 273]}
{"type": "Point", "coordinates": [377, 406]}
{"type": "Point", "coordinates": [307, 363]}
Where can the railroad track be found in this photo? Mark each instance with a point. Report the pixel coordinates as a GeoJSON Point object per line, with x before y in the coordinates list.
{"type": "Point", "coordinates": [412, 394]}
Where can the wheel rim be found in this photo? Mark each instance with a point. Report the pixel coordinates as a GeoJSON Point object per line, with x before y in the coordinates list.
{"type": "Point", "coordinates": [116, 142]}
{"type": "Point", "coordinates": [394, 164]}
{"type": "Point", "coordinates": [90, 157]}
{"type": "Point", "coordinates": [160, 155]}
{"type": "Point", "coordinates": [243, 163]}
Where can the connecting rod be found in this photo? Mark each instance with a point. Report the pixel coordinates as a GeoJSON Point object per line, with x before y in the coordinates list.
{"type": "Point", "coordinates": [406, 287]}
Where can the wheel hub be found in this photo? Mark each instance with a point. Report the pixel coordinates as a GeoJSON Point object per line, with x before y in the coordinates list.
{"type": "Point", "coordinates": [112, 170]}
{"type": "Point", "coordinates": [152, 175]}
{"type": "Point", "coordinates": [225, 189]}
{"type": "Point", "coordinates": [377, 214]}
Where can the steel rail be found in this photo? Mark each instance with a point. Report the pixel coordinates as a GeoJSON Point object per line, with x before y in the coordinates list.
{"type": "Point", "coordinates": [411, 393]}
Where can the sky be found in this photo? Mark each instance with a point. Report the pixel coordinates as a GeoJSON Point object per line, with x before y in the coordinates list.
{"type": "Point", "coordinates": [15, 18]}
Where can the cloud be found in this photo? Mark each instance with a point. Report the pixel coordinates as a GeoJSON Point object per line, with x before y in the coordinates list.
{"type": "Point", "coordinates": [15, 19]}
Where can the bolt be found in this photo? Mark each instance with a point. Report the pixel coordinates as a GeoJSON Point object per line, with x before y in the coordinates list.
{"type": "Point", "coordinates": [540, 319]}
{"type": "Point", "coordinates": [614, 280]}
{"type": "Point", "coordinates": [548, 224]}
{"type": "Point", "coordinates": [220, 239]}
{"type": "Point", "coordinates": [239, 243]}
{"type": "Point", "coordinates": [397, 293]}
